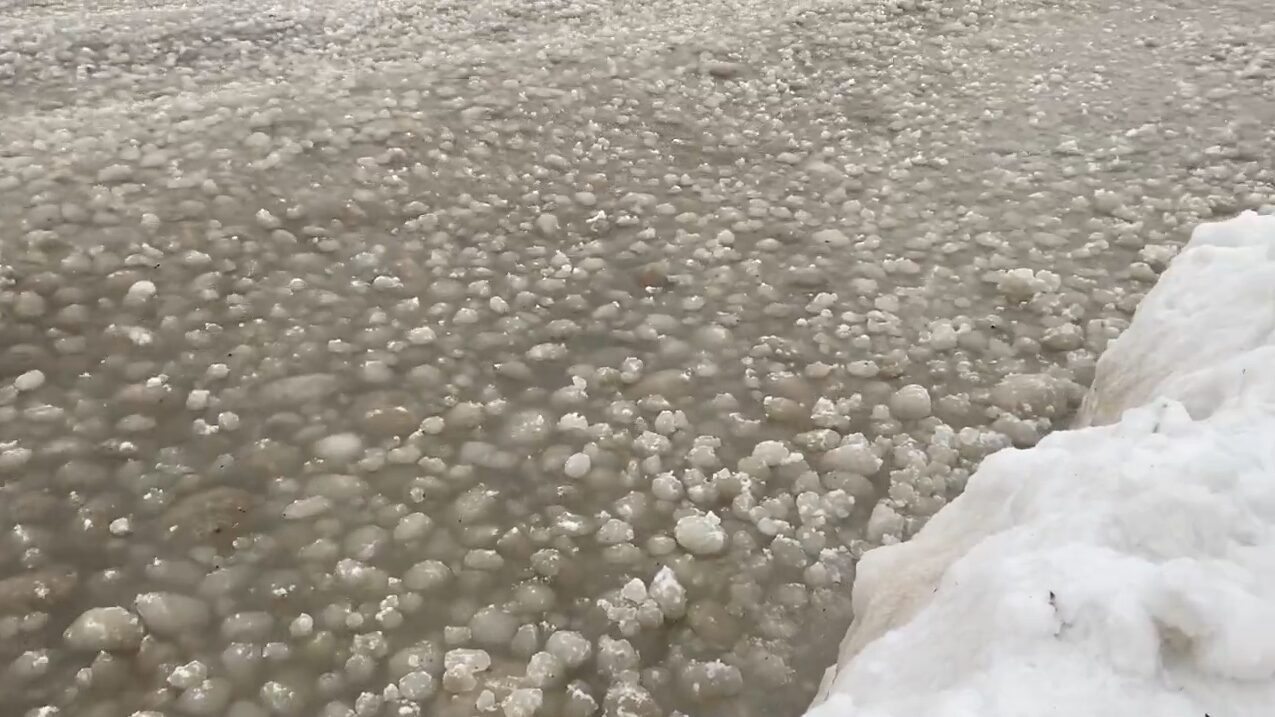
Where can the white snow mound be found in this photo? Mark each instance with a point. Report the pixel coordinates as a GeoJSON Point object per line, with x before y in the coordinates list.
{"type": "Point", "coordinates": [1120, 569]}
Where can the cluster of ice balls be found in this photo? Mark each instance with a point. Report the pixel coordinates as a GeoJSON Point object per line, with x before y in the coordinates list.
{"type": "Point", "coordinates": [483, 392]}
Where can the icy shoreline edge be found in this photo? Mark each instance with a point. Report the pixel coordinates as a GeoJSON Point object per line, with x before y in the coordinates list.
{"type": "Point", "coordinates": [1126, 566]}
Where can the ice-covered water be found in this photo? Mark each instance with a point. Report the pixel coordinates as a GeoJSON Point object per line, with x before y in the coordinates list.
{"type": "Point", "coordinates": [1116, 569]}
{"type": "Point", "coordinates": [556, 357]}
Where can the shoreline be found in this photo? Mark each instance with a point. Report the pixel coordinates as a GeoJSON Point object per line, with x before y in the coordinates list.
{"type": "Point", "coordinates": [1114, 568]}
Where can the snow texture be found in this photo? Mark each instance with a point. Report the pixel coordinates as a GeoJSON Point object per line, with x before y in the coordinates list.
{"type": "Point", "coordinates": [1126, 567]}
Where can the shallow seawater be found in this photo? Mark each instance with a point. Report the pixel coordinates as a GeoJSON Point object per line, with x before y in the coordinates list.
{"type": "Point", "coordinates": [555, 358]}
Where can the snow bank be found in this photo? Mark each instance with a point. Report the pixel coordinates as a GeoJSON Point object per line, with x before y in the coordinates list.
{"type": "Point", "coordinates": [1123, 568]}
{"type": "Point", "coordinates": [1205, 336]}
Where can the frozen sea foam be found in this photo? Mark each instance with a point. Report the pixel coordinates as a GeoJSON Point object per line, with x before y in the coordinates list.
{"type": "Point", "coordinates": [1126, 567]}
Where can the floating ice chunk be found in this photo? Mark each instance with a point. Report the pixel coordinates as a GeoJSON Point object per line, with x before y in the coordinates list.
{"type": "Point", "coordinates": [572, 648]}
{"type": "Point", "coordinates": [547, 224]}
{"type": "Point", "coordinates": [650, 443]}
{"type": "Point", "coordinates": [910, 403]}
{"type": "Point", "coordinates": [771, 453]}
{"type": "Point", "coordinates": [667, 487]}
{"type": "Point", "coordinates": [197, 399]}
{"type": "Point", "coordinates": [522, 702]}
{"type": "Point", "coordinates": [461, 665]}
{"type": "Point", "coordinates": [172, 614]}
{"type": "Point", "coordinates": [339, 448]}
{"type": "Point", "coordinates": [701, 534]}
{"type": "Point", "coordinates": [301, 626]}
{"type": "Point", "coordinates": [545, 670]}
{"type": "Point", "coordinates": [306, 508]}
{"type": "Point", "coordinates": [711, 680]}
{"type": "Point", "coordinates": [114, 173]}
{"type": "Point", "coordinates": [634, 591]}
{"type": "Point", "coordinates": [1064, 337]}
{"type": "Point", "coordinates": [493, 627]}
{"type": "Point", "coordinates": [528, 427]}
{"type": "Point", "coordinates": [140, 292]}
{"type": "Point", "coordinates": [417, 686]}
{"type": "Point", "coordinates": [280, 698]}
{"type": "Point", "coordinates": [29, 381]}
{"type": "Point", "coordinates": [266, 220]}
{"type": "Point", "coordinates": [614, 531]}
{"type": "Point", "coordinates": [627, 698]}
{"type": "Point", "coordinates": [579, 703]}
{"type": "Point", "coordinates": [616, 657]}
{"type": "Point", "coordinates": [206, 699]}
{"type": "Point", "coordinates": [186, 676]}
{"type": "Point", "coordinates": [577, 465]}
{"type": "Point", "coordinates": [826, 414]}
{"type": "Point", "coordinates": [863, 368]}
{"type": "Point", "coordinates": [105, 628]}
{"type": "Point", "coordinates": [854, 455]}
{"type": "Point", "coordinates": [385, 282]}
{"type": "Point", "coordinates": [412, 526]}
{"type": "Point", "coordinates": [668, 593]}
{"type": "Point", "coordinates": [421, 335]}
{"type": "Point", "coordinates": [11, 459]}
{"type": "Point", "coordinates": [943, 336]}
{"type": "Point", "coordinates": [1023, 283]}
{"type": "Point", "coordinates": [1033, 394]}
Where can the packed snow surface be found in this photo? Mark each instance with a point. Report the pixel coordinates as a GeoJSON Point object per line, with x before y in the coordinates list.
{"type": "Point", "coordinates": [1126, 568]}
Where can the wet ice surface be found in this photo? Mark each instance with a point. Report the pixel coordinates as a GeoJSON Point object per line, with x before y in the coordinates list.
{"type": "Point", "coordinates": [553, 358]}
